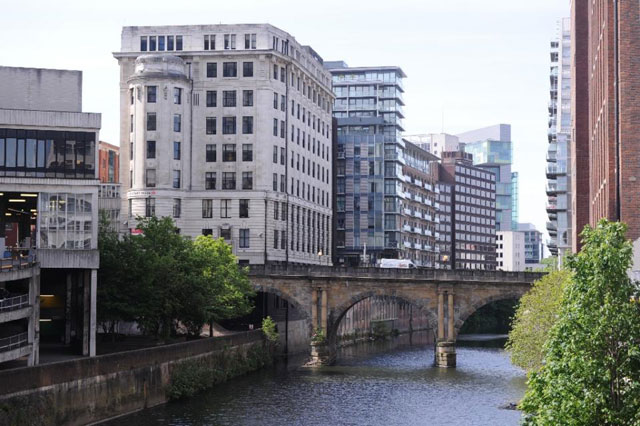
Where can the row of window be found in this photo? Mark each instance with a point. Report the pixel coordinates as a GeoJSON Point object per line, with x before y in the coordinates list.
{"type": "Point", "coordinates": [229, 98]}
{"type": "Point", "coordinates": [311, 168]}
{"type": "Point", "coordinates": [307, 89]}
{"type": "Point", "coordinates": [229, 69]}
{"type": "Point", "coordinates": [229, 41]}
{"type": "Point", "coordinates": [160, 43]}
{"type": "Point", "coordinates": [473, 200]}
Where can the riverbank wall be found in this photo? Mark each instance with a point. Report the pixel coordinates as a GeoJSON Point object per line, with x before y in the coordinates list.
{"type": "Point", "coordinates": [89, 390]}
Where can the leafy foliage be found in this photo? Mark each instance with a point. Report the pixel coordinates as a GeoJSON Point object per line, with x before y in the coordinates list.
{"type": "Point", "coordinates": [161, 279]}
{"type": "Point", "coordinates": [536, 314]}
{"type": "Point", "coordinates": [269, 330]}
{"type": "Point", "coordinates": [319, 337]}
{"type": "Point", "coordinates": [591, 370]}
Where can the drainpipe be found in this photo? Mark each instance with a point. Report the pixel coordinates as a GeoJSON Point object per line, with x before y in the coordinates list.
{"type": "Point", "coordinates": [616, 82]}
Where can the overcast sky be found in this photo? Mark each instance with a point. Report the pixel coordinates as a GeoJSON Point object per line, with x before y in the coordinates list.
{"type": "Point", "coordinates": [473, 63]}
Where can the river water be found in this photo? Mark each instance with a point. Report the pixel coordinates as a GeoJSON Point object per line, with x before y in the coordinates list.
{"type": "Point", "coordinates": [380, 383]}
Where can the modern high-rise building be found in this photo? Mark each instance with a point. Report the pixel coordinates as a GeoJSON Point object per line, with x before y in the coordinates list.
{"type": "Point", "coordinates": [559, 150]}
{"type": "Point", "coordinates": [48, 213]}
{"type": "Point", "coordinates": [492, 150]}
{"type": "Point", "coordinates": [533, 249]}
{"type": "Point", "coordinates": [611, 31]}
{"type": "Point", "coordinates": [227, 129]}
{"type": "Point", "coordinates": [473, 212]}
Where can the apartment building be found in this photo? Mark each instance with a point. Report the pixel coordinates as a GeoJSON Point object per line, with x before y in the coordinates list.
{"type": "Point", "coordinates": [473, 212]}
{"type": "Point", "coordinates": [510, 251]}
{"type": "Point", "coordinates": [227, 130]}
{"type": "Point", "coordinates": [48, 214]}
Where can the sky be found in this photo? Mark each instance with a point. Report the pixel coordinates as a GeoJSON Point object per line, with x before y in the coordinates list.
{"type": "Point", "coordinates": [469, 63]}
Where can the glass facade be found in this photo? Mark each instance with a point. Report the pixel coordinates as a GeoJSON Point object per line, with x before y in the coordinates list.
{"type": "Point", "coordinates": [47, 153]}
{"type": "Point", "coordinates": [65, 221]}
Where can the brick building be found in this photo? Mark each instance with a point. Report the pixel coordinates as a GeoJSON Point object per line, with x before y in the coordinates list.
{"type": "Point", "coordinates": [612, 31]}
{"type": "Point", "coordinates": [108, 162]}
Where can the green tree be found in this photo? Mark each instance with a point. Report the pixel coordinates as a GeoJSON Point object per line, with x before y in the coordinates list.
{"type": "Point", "coordinates": [591, 370]}
{"type": "Point", "coordinates": [537, 312]}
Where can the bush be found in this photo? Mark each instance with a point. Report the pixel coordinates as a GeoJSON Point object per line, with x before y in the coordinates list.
{"type": "Point", "coordinates": [269, 330]}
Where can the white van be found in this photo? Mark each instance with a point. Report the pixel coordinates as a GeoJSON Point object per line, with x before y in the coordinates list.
{"type": "Point", "coordinates": [397, 263]}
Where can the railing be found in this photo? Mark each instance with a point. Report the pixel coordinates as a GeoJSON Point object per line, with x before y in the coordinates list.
{"type": "Point", "coordinates": [9, 264]}
{"type": "Point", "coordinates": [422, 273]}
{"type": "Point", "coordinates": [14, 342]}
{"type": "Point", "coordinates": [14, 303]}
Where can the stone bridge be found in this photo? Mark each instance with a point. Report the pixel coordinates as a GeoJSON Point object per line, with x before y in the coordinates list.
{"type": "Point", "coordinates": [323, 295]}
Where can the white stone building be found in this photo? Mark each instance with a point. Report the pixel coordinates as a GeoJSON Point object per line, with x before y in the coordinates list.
{"type": "Point", "coordinates": [510, 250]}
{"type": "Point", "coordinates": [48, 213]}
{"type": "Point", "coordinates": [227, 129]}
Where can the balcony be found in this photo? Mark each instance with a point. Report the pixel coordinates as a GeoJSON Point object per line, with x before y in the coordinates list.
{"type": "Point", "coordinates": [407, 244]}
{"type": "Point", "coordinates": [407, 228]}
{"type": "Point", "coordinates": [14, 303]}
{"type": "Point", "coordinates": [552, 226]}
{"type": "Point", "coordinates": [407, 212]}
{"type": "Point", "coordinates": [428, 217]}
{"type": "Point", "coordinates": [428, 202]}
{"type": "Point", "coordinates": [429, 187]}
{"type": "Point", "coordinates": [14, 342]}
{"type": "Point", "coordinates": [437, 189]}
{"type": "Point", "coordinates": [553, 171]}
{"type": "Point", "coordinates": [428, 232]}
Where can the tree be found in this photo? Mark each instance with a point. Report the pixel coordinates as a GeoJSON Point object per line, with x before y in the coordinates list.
{"type": "Point", "coordinates": [591, 369]}
{"type": "Point", "coordinates": [537, 312]}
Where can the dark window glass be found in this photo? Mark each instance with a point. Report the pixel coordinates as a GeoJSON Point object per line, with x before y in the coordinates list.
{"type": "Point", "coordinates": [151, 121]}
{"type": "Point", "coordinates": [176, 178]}
{"type": "Point", "coordinates": [177, 122]}
{"type": "Point", "coordinates": [207, 208]}
{"type": "Point", "coordinates": [143, 44]}
{"type": "Point", "coordinates": [152, 43]}
{"type": "Point", "coordinates": [228, 125]}
{"type": "Point", "coordinates": [210, 180]}
{"type": "Point", "coordinates": [244, 208]}
{"type": "Point", "coordinates": [247, 125]}
{"type": "Point", "coordinates": [247, 180]}
{"type": "Point", "coordinates": [151, 149]}
{"type": "Point", "coordinates": [244, 238]}
{"type": "Point", "coordinates": [150, 207]}
{"type": "Point", "coordinates": [228, 180]}
{"type": "Point", "coordinates": [161, 43]}
{"type": "Point", "coordinates": [229, 98]}
{"type": "Point", "coordinates": [151, 94]}
{"type": "Point", "coordinates": [228, 152]}
{"type": "Point", "coordinates": [212, 69]}
{"type": "Point", "coordinates": [211, 153]}
{"type": "Point", "coordinates": [176, 150]}
{"type": "Point", "coordinates": [212, 96]}
{"type": "Point", "coordinates": [170, 47]}
{"type": "Point", "coordinates": [225, 209]}
{"type": "Point", "coordinates": [177, 95]}
{"type": "Point", "coordinates": [247, 152]}
{"type": "Point", "coordinates": [247, 98]}
{"type": "Point", "coordinates": [207, 232]}
{"type": "Point", "coordinates": [177, 207]}
{"type": "Point", "coordinates": [247, 69]}
{"type": "Point", "coordinates": [230, 69]}
{"type": "Point", "coordinates": [178, 42]}
{"type": "Point", "coordinates": [211, 125]}
{"type": "Point", "coordinates": [150, 178]}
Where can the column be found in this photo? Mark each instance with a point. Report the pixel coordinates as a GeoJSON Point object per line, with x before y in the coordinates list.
{"type": "Point", "coordinates": [440, 316]}
{"type": "Point", "coordinates": [92, 315]}
{"type": "Point", "coordinates": [86, 311]}
{"type": "Point", "coordinates": [34, 320]}
{"type": "Point", "coordinates": [67, 312]}
{"type": "Point", "coordinates": [324, 311]}
{"type": "Point", "coordinates": [451, 332]}
{"type": "Point", "coordinates": [314, 309]}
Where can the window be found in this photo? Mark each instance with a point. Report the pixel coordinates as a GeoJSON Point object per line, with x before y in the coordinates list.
{"type": "Point", "coordinates": [229, 98]}
{"type": "Point", "coordinates": [226, 234]}
{"type": "Point", "coordinates": [132, 98]}
{"type": "Point", "coordinates": [211, 125]}
{"type": "Point", "coordinates": [244, 208]}
{"type": "Point", "coordinates": [228, 152]}
{"type": "Point", "coordinates": [275, 101]}
{"type": "Point", "coordinates": [282, 75]}
{"type": "Point", "coordinates": [170, 44]}
{"type": "Point", "coordinates": [275, 72]}
{"type": "Point", "coordinates": [229, 41]}
{"type": "Point", "coordinates": [282, 156]}
{"type": "Point", "coordinates": [212, 98]}
{"type": "Point", "coordinates": [177, 207]}
{"type": "Point", "coordinates": [228, 180]}
{"type": "Point", "coordinates": [275, 127]}
{"type": "Point", "coordinates": [283, 184]}
{"type": "Point", "coordinates": [275, 154]}
{"type": "Point", "coordinates": [247, 180]}
{"type": "Point", "coordinates": [244, 238]}
{"type": "Point", "coordinates": [211, 153]}
{"type": "Point", "coordinates": [152, 43]}
{"type": "Point", "coordinates": [282, 130]}
{"type": "Point", "coordinates": [247, 69]}
{"type": "Point", "coordinates": [229, 69]}
{"type": "Point", "coordinates": [247, 125]}
{"type": "Point", "coordinates": [143, 44]}
{"type": "Point", "coordinates": [283, 103]}
{"type": "Point", "coordinates": [177, 95]}
{"type": "Point", "coordinates": [228, 125]}
{"type": "Point", "coordinates": [177, 122]}
{"type": "Point", "coordinates": [178, 42]}
{"type": "Point", "coordinates": [225, 209]}
{"type": "Point", "coordinates": [151, 94]}
{"type": "Point", "coordinates": [275, 209]}
{"type": "Point", "coordinates": [176, 178]}
{"type": "Point", "coordinates": [209, 42]}
{"type": "Point", "coordinates": [151, 121]}
{"type": "Point", "coordinates": [250, 41]}
{"type": "Point", "coordinates": [149, 207]}
{"type": "Point", "coordinates": [176, 150]}
{"type": "Point", "coordinates": [275, 181]}
{"type": "Point", "coordinates": [247, 152]}
{"type": "Point", "coordinates": [151, 149]}
{"type": "Point", "coordinates": [210, 180]}
{"type": "Point", "coordinates": [150, 179]}
{"type": "Point", "coordinates": [275, 238]}
{"type": "Point", "coordinates": [207, 232]}
{"type": "Point", "coordinates": [247, 98]}
{"type": "Point", "coordinates": [212, 69]}
{"type": "Point", "coordinates": [207, 209]}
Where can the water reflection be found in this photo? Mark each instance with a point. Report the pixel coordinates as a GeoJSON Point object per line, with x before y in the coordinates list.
{"type": "Point", "coordinates": [380, 383]}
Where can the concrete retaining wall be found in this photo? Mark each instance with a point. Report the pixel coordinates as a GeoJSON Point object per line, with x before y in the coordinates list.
{"type": "Point", "coordinates": [87, 390]}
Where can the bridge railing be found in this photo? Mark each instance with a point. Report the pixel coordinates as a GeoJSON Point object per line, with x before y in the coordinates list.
{"type": "Point", "coordinates": [421, 274]}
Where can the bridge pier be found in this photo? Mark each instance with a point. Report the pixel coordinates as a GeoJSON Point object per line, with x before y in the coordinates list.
{"type": "Point", "coordinates": [445, 350]}
{"type": "Point", "coordinates": [322, 348]}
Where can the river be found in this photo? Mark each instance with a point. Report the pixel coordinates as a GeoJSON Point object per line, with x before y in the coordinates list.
{"type": "Point", "coordinates": [380, 383]}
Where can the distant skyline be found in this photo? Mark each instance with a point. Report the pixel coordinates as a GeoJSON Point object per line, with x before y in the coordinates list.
{"type": "Point", "coordinates": [468, 64]}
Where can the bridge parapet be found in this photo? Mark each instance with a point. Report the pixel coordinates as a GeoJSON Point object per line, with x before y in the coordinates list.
{"type": "Point", "coordinates": [440, 275]}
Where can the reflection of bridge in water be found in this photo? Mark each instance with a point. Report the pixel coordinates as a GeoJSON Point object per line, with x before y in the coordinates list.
{"type": "Point", "coordinates": [447, 298]}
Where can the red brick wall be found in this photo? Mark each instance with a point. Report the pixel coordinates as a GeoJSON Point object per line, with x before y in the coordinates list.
{"type": "Point", "coordinates": [103, 162]}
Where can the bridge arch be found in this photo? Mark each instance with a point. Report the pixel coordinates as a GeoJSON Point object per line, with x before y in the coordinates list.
{"type": "Point", "coordinates": [337, 312]}
{"type": "Point", "coordinates": [283, 293]}
{"type": "Point", "coordinates": [466, 309]}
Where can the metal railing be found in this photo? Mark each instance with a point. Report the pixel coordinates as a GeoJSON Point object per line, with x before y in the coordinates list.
{"type": "Point", "coordinates": [14, 303]}
{"type": "Point", "coordinates": [14, 342]}
{"type": "Point", "coordinates": [19, 262]}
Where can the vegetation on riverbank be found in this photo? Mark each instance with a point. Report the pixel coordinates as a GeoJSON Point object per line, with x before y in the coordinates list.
{"type": "Point", "coordinates": [165, 282]}
{"type": "Point", "coordinates": [590, 373]}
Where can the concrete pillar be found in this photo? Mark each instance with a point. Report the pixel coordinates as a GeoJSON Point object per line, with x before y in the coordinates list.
{"type": "Point", "coordinates": [441, 316]}
{"type": "Point", "coordinates": [324, 311]}
{"type": "Point", "coordinates": [86, 311]}
{"type": "Point", "coordinates": [314, 309]}
{"type": "Point", "coordinates": [67, 311]}
{"type": "Point", "coordinates": [451, 332]}
{"type": "Point", "coordinates": [92, 317]}
{"type": "Point", "coordinates": [34, 320]}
